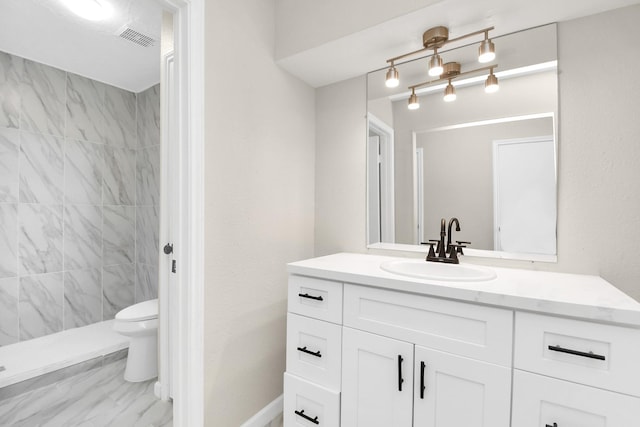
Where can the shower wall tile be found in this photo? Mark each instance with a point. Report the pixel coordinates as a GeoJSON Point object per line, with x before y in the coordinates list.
{"type": "Point", "coordinates": [43, 95]}
{"type": "Point", "coordinates": [40, 305]}
{"type": "Point", "coordinates": [82, 297]}
{"type": "Point", "coordinates": [146, 282]}
{"type": "Point", "coordinates": [85, 109]}
{"type": "Point", "coordinates": [9, 171]}
{"type": "Point", "coordinates": [39, 239]}
{"type": "Point", "coordinates": [119, 180]}
{"type": "Point", "coordinates": [147, 228]}
{"type": "Point", "coordinates": [8, 240]}
{"type": "Point", "coordinates": [83, 172]}
{"type": "Point", "coordinates": [9, 311]}
{"type": "Point", "coordinates": [118, 231]}
{"type": "Point", "coordinates": [82, 236]}
{"type": "Point", "coordinates": [11, 71]}
{"type": "Point", "coordinates": [41, 168]}
{"type": "Point", "coordinates": [120, 114]}
{"type": "Point", "coordinates": [118, 289]}
{"type": "Point", "coordinates": [148, 176]}
{"type": "Point", "coordinates": [148, 123]}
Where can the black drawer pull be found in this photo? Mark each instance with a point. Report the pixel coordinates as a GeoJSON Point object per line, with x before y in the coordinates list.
{"type": "Point", "coordinates": [306, 417]}
{"type": "Point", "coordinates": [400, 379]}
{"type": "Point", "coordinates": [304, 350]}
{"type": "Point", "coordinates": [590, 355]}
{"type": "Point", "coordinates": [311, 297]}
{"type": "Point", "coordinates": [549, 425]}
{"type": "Point", "coordinates": [422, 386]}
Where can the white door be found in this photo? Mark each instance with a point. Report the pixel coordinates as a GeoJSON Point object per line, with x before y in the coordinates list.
{"type": "Point", "coordinates": [540, 401]}
{"type": "Point", "coordinates": [373, 190]}
{"type": "Point", "coordinates": [525, 196]}
{"type": "Point", "coordinates": [454, 391]}
{"type": "Point", "coordinates": [377, 380]}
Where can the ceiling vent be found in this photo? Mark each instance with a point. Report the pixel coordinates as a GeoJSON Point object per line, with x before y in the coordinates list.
{"type": "Point", "coordinates": [137, 37]}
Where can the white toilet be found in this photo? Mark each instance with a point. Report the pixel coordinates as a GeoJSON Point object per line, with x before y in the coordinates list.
{"type": "Point", "coordinates": [140, 323]}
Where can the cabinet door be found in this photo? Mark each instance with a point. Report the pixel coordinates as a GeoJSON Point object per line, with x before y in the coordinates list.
{"type": "Point", "coordinates": [377, 380]}
{"type": "Point", "coordinates": [454, 391]}
{"type": "Point", "coordinates": [540, 401]}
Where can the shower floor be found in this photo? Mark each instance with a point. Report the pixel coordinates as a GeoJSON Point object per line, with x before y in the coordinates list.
{"type": "Point", "coordinates": [39, 356]}
{"type": "Point", "coordinates": [96, 398]}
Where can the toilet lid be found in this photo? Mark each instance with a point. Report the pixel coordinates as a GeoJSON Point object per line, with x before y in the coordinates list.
{"type": "Point", "coordinates": [141, 311]}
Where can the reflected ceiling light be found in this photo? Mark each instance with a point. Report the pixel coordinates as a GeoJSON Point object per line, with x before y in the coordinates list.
{"type": "Point", "coordinates": [435, 64]}
{"type": "Point", "coordinates": [414, 104]}
{"type": "Point", "coordinates": [393, 78]}
{"type": "Point", "coordinates": [486, 50]}
{"type": "Point", "coordinates": [449, 93]}
{"type": "Point", "coordinates": [491, 84]}
{"type": "Point", "coordinates": [92, 10]}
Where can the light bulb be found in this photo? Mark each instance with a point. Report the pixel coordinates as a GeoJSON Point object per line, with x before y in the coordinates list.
{"type": "Point", "coordinates": [491, 84]}
{"type": "Point", "coordinates": [449, 93]}
{"type": "Point", "coordinates": [414, 104]}
{"type": "Point", "coordinates": [392, 79]}
{"type": "Point", "coordinates": [486, 51]}
{"type": "Point", "coordinates": [435, 65]}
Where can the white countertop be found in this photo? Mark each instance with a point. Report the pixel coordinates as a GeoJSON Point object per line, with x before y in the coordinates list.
{"type": "Point", "coordinates": [573, 295]}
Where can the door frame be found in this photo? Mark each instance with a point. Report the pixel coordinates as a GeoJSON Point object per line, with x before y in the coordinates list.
{"type": "Point", "coordinates": [387, 198]}
{"type": "Point", "coordinates": [188, 391]}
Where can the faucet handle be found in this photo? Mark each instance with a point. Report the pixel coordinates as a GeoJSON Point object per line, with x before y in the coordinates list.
{"type": "Point", "coordinates": [431, 254]}
{"type": "Point", "coordinates": [461, 244]}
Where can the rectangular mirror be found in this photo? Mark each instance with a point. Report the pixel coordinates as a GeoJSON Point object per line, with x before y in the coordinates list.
{"type": "Point", "coordinates": [489, 159]}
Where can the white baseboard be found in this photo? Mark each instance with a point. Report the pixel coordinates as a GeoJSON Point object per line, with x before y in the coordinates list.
{"type": "Point", "coordinates": [266, 414]}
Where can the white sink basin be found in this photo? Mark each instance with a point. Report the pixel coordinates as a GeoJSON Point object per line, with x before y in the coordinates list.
{"type": "Point", "coordinates": [437, 271]}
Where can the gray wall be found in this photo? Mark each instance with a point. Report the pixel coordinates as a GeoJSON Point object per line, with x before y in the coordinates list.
{"type": "Point", "coordinates": [599, 154]}
{"type": "Point", "coordinates": [68, 200]}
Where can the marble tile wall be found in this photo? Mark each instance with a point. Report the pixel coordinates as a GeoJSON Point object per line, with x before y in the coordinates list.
{"type": "Point", "coordinates": [79, 199]}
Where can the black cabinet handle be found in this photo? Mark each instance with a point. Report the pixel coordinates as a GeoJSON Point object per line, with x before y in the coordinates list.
{"type": "Point", "coordinates": [306, 417]}
{"type": "Point", "coordinates": [590, 355]}
{"type": "Point", "coordinates": [319, 298]}
{"type": "Point", "coordinates": [422, 386]}
{"type": "Point", "coordinates": [313, 353]}
{"type": "Point", "coordinates": [549, 425]}
{"type": "Point", "coordinates": [400, 379]}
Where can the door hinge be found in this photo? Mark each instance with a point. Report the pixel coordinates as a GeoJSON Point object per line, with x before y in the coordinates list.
{"type": "Point", "coordinates": [173, 266]}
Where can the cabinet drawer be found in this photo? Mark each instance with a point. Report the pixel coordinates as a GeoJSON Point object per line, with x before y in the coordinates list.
{"type": "Point", "coordinates": [305, 401]}
{"type": "Point", "coordinates": [540, 401]}
{"type": "Point", "coordinates": [317, 298]}
{"type": "Point", "coordinates": [314, 350]}
{"type": "Point", "coordinates": [604, 356]}
{"type": "Point", "coordinates": [478, 332]}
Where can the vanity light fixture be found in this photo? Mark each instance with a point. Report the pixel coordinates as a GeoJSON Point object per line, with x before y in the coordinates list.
{"type": "Point", "coordinates": [491, 84]}
{"type": "Point", "coordinates": [414, 104]}
{"type": "Point", "coordinates": [392, 78]}
{"type": "Point", "coordinates": [449, 93]}
{"type": "Point", "coordinates": [486, 50]}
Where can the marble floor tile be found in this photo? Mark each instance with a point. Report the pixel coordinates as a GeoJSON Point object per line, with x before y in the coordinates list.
{"type": "Point", "coordinates": [39, 238]}
{"type": "Point", "coordinates": [119, 177]}
{"type": "Point", "coordinates": [82, 237]}
{"type": "Point", "coordinates": [148, 123]}
{"type": "Point", "coordinates": [41, 168]}
{"type": "Point", "coordinates": [146, 282]}
{"type": "Point", "coordinates": [118, 235]}
{"type": "Point", "coordinates": [120, 114]}
{"type": "Point", "coordinates": [8, 240]}
{"type": "Point", "coordinates": [9, 170]}
{"type": "Point", "coordinates": [148, 176]}
{"type": "Point", "coordinates": [9, 311]}
{"type": "Point", "coordinates": [147, 229]}
{"type": "Point", "coordinates": [85, 109]}
{"type": "Point", "coordinates": [82, 297]}
{"type": "Point", "coordinates": [11, 70]}
{"type": "Point", "coordinates": [83, 172]}
{"type": "Point", "coordinates": [118, 289]}
{"type": "Point", "coordinates": [40, 305]}
{"type": "Point", "coordinates": [96, 398]}
{"type": "Point", "coordinates": [42, 90]}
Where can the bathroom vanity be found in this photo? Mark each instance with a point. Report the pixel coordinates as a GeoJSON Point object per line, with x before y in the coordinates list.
{"type": "Point", "coordinates": [368, 347]}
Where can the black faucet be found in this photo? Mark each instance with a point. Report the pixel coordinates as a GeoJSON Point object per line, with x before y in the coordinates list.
{"type": "Point", "coordinates": [451, 221]}
{"type": "Point", "coordinates": [446, 253]}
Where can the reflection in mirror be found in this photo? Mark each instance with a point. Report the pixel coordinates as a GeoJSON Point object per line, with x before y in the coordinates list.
{"type": "Point", "coordinates": [487, 159]}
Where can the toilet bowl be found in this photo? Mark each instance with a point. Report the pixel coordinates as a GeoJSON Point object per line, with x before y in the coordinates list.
{"type": "Point", "coordinates": [140, 323]}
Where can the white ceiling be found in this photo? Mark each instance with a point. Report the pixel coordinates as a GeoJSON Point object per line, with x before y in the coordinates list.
{"type": "Point", "coordinates": [46, 31]}
{"type": "Point", "coordinates": [367, 50]}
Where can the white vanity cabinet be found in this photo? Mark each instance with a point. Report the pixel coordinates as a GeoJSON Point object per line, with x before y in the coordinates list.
{"type": "Point", "coordinates": [366, 348]}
